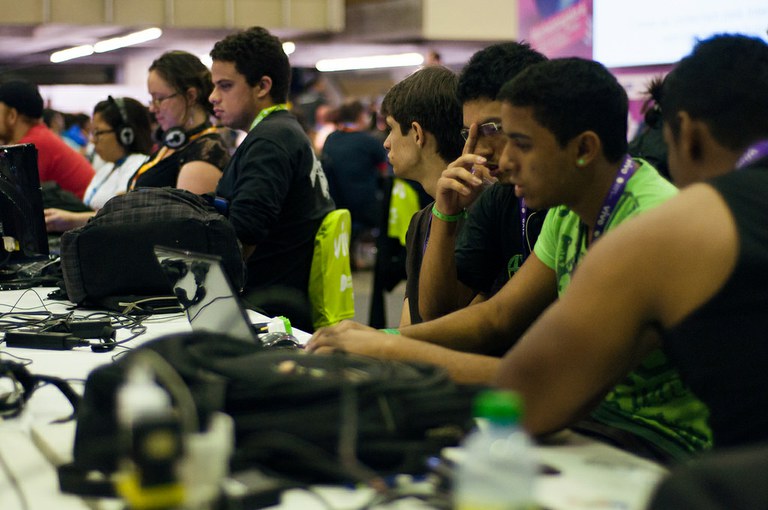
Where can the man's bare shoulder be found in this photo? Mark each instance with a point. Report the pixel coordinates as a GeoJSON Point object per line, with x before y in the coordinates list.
{"type": "Point", "coordinates": [676, 256]}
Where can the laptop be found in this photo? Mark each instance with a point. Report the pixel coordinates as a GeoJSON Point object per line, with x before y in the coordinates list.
{"type": "Point", "coordinates": [203, 290]}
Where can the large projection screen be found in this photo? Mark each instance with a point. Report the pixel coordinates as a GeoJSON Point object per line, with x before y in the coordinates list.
{"type": "Point", "coordinates": [629, 33]}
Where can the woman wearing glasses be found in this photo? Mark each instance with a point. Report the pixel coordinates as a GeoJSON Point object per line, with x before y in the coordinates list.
{"type": "Point", "coordinates": [192, 153]}
{"type": "Point", "coordinates": [121, 135]}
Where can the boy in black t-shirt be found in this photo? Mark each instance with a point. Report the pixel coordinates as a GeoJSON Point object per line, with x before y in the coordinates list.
{"type": "Point", "coordinates": [275, 186]}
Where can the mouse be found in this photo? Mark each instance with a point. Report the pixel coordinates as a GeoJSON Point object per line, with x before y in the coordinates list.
{"type": "Point", "coordinates": [280, 340]}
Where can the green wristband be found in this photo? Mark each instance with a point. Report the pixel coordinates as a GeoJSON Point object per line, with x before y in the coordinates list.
{"type": "Point", "coordinates": [390, 331]}
{"type": "Point", "coordinates": [450, 218]}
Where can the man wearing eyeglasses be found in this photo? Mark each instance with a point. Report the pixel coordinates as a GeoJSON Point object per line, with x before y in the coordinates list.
{"type": "Point", "coordinates": [471, 263]}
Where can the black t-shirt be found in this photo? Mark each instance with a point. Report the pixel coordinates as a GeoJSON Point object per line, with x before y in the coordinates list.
{"type": "Point", "coordinates": [721, 348]}
{"type": "Point", "coordinates": [209, 148]}
{"type": "Point", "coordinates": [278, 196]}
{"type": "Point", "coordinates": [489, 248]}
{"type": "Point", "coordinates": [415, 244]}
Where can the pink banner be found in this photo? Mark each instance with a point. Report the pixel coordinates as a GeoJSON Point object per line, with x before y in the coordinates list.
{"type": "Point", "coordinates": [557, 28]}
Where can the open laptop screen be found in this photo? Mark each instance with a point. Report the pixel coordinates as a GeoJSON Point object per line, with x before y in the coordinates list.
{"type": "Point", "coordinates": [204, 292]}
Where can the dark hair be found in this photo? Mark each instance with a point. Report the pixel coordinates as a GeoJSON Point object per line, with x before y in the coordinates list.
{"type": "Point", "coordinates": [183, 71]}
{"type": "Point", "coordinates": [257, 53]}
{"type": "Point", "coordinates": [490, 68]}
{"type": "Point", "coordinates": [649, 142]}
{"type": "Point", "coordinates": [724, 83]}
{"type": "Point", "coordinates": [137, 118]}
{"type": "Point", "coordinates": [428, 97]}
{"type": "Point", "coordinates": [570, 96]}
{"type": "Point", "coordinates": [350, 111]}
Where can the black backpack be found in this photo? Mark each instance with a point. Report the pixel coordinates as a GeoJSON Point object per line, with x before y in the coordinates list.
{"type": "Point", "coordinates": [112, 255]}
{"type": "Point", "coordinates": [294, 423]}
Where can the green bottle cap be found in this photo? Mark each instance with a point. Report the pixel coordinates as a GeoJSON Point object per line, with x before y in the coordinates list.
{"type": "Point", "coordinates": [499, 406]}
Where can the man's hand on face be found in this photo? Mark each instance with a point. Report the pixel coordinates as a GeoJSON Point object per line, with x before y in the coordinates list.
{"type": "Point", "coordinates": [462, 182]}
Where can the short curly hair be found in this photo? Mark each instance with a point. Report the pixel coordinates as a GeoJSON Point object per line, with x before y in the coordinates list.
{"type": "Point", "coordinates": [490, 68]}
{"type": "Point", "coordinates": [256, 53]}
{"type": "Point", "coordinates": [722, 83]}
{"type": "Point", "coordinates": [569, 96]}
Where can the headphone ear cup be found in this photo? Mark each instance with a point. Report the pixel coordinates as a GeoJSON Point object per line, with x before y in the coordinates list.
{"type": "Point", "coordinates": [126, 136]}
{"type": "Point", "coordinates": [174, 138]}
{"type": "Point", "coordinates": [125, 133]}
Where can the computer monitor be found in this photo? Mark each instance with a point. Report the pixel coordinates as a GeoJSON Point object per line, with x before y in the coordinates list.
{"type": "Point", "coordinates": [22, 222]}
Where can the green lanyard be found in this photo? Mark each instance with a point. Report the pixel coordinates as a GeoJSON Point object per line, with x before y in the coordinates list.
{"type": "Point", "coordinates": [266, 111]}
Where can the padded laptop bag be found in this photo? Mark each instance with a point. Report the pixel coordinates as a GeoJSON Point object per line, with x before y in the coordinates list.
{"type": "Point", "coordinates": [112, 255]}
{"type": "Point", "coordinates": [294, 412]}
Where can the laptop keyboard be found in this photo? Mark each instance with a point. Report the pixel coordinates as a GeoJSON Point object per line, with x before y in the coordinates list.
{"type": "Point", "coordinates": [34, 269]}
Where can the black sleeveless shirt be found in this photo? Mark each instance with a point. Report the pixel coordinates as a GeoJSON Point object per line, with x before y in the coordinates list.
{"type": "Point", "coordinates": [721, 349]}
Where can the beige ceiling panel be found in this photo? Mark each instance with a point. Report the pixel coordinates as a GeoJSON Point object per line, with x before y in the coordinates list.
{"type": "Point", "coordinates": [487, 20]}
{"type": "Point", "coordinates": [309, 14]}
{"type": "Point", "coordinates": [199, 13]}
{"type": "Point", "coordinates": [23, 13]}
{"type": "Point", "coordinates": [81, 12]}
{"type": "Point", "coordinates": [262, 13]}
{"type": "Point", "coordinates": [139, 12]}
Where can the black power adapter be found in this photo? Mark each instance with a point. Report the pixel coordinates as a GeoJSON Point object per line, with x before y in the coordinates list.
{"type": "Point", "coordinates": [49, 340]}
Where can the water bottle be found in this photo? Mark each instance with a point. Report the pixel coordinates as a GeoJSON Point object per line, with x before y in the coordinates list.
{"type": "Point", "coordinates": [499, 468]}
{"type": "Point", "coordinates": [152, 443]}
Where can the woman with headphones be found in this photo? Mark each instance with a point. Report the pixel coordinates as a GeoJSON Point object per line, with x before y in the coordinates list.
{"type": "Point", "coordinates": [193, 153]}
{"type": "Point", "coordinates": [122, 137]}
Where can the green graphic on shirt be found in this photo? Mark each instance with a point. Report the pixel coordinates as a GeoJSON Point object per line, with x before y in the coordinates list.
{"type": "Point", "coordinates": [514, 264]}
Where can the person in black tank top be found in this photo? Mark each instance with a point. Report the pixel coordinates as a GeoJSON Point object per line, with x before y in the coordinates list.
{"type": "Point", "coordinates": [693, 269]}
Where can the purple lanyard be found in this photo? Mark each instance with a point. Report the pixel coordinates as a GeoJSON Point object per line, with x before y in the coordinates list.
{"type": "Point", "coordinates": [754, 152]}
{"type": "Point", "coordinates": [625, 173]}
{"type": "Point", "coordinates": [524, 225]}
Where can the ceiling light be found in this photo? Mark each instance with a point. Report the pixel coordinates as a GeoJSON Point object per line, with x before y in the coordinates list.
{"type": "Point", "coordinates": [206, 60]}
{"type": "Point", "coordinates": [70, 53]}
{"type": "Point", "coordinates": [289, 47]}
{"type": "Point", "coordinates": [106, 45]}
{"type": "Point", "coordinates": [370, 62]}
{"type": "Point", "coordinates": [127, 40]}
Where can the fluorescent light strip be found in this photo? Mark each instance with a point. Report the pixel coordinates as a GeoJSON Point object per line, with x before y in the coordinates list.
{"type": "Point", "coordinates": [127, 40]}
{"type": "Point", "coordinates": [106, 45]}
{"type": "Point", "coordinates": [70, 53]}
{"type": "Point", "coordinates": [370, 62]}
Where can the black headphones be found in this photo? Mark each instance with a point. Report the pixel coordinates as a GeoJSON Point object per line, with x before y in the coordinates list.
{"type": "Point", "coordinates": [124, 132]}
{"type": "Point", "coordinates": [174, 138]}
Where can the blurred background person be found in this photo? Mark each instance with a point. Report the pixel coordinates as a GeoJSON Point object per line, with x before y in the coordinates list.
{"type": "Point", "coordinates": [354, 162]}
{"type": "Point", "coordinates": [21, 121]}
{"type": "Point", "coordinates": [76, 129]}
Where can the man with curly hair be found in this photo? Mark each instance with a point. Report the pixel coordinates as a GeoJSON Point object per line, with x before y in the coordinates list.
{"type": "Point", "coordinates": [275, 187]}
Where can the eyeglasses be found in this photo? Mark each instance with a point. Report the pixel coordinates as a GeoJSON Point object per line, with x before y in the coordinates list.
{"type": "Point", "coordinates": [157, 101]}
{"type": "Point", "coordinates": [487, 129]}
{"type": "Point", "coordinates": [99, 132]}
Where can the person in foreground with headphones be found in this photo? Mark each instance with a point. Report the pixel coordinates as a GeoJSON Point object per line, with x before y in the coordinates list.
{"type": "Point", "coordinates": [193, 153]}
{"type": "Point", "coordinates": [122, 137]}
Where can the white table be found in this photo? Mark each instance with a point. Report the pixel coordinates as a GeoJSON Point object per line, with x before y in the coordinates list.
{"type": "Point", "coordinates": [592, 475]}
